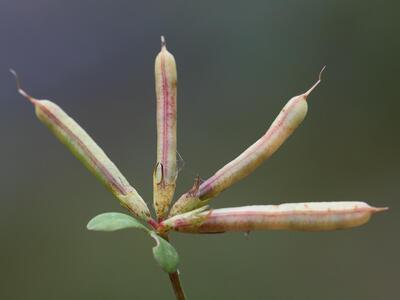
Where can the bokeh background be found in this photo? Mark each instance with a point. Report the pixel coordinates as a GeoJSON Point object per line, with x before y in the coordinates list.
{"type": "Point", "coordinates": [238, 64]}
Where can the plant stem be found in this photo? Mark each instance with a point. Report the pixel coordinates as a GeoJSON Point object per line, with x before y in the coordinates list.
{"type": "Point", "coordinates": [175, 280]}
{"type": "Point", "coordinates": [176, 284]}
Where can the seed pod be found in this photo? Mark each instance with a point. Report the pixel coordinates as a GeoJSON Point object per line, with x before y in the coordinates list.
{"type": "Point", "coordinates": [312, 216]}
{"type": "Point", "coordinates": [165, 172]}
{"type": "Point", "coordinates": [290, 117]}
{"type": "Point", "coordinates": [88, 152]}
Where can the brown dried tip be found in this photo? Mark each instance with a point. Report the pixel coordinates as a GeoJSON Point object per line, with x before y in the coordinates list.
{"type": "Point", "coordinates": [315, 84]}
{"type": "Point", "coordinates": [20, 90]}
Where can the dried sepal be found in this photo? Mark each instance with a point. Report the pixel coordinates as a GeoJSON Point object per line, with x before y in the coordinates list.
{"type": "Point", "coordinates": [78, 141]}
{"type": "Point", "coordinates": [163, 192]}
{"type": "Point", "coordinates": [312, 216]}
{"type": "Point", "coordinates": [290, 117]}
{"type": "Point", "coordinates": [166, 172]}
{"type": "Point", "coordinates": [192, 219]}
{"type": "Point", "coordinates": [189, 201]}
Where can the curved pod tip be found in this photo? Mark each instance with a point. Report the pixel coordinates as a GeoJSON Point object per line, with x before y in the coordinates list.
{"type": "Point", "coordinates": [306, 94]}
{"type": "Point", "coordinates": [20, 90]}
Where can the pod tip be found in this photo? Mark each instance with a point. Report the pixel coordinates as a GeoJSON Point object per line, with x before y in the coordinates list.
{"type": "Point", "coordinates": [379, 209]}
{"type": "Point", "coordinates": [20, 90]}
{"type": "Point", "coordinates": [163, 42]}
{"type": "Point", "coordinates": [320, 73]}
{"type": "Point", "coordinates": [306, 94]}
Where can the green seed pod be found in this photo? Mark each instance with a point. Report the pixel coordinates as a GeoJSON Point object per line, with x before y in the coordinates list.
{"type": "Point", "coordinates": [290, 117]}
{"type": "Point", "coordinates": [88, 152]}
{"type": "Point", "coordinates": [165, 172]}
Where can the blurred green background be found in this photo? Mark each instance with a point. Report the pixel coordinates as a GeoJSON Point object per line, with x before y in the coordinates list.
{"type": "Point", "coordinates": [238, 64]}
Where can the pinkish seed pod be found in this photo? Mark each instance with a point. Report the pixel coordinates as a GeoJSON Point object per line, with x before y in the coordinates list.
{"type": "Point", "coordinates": [312, 216]}
{"type": "Point", "coordinates": [290, 117]}
{"type": "Point", "coordinates": [165, 172]}
{"type": "Point", "coordinates": [88, 152]}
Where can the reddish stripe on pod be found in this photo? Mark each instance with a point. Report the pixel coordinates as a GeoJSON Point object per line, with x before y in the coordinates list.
{"type": "Point", "coordinates": [317, 213]}
{"type": "Point", "coordinates": [166, 104]}
{"type": "Point", "coordinates": [275, 129]}
{"type": "Point", "coordinates": [164, 181]}
{"type": "Point", "coordinates": [300, 216]}
{"type": "Point", "coordinates": [110, 178]}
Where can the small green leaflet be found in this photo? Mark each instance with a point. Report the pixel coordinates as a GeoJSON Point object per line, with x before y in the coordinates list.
{"type": "Point", "coordinates": [113, 221]}
{"type": "Point", "coordinates": [165, 255]}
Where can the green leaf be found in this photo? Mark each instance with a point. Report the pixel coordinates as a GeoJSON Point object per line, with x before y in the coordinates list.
{"type": "Point", "coordinates": [113, 221]}
{"type": "Point", "coordinates": [165, 255]}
